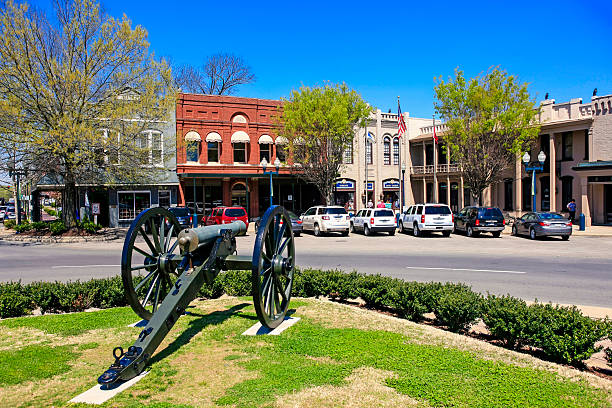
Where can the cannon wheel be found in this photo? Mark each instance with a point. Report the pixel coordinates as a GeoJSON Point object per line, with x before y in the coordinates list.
{"type": "Point", "coordinates": [146, 273]}
{"type": "Point", "coordinates": [273, 266]}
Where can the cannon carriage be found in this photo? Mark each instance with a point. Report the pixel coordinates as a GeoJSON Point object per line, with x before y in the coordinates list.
{"type": "Point", "coordinates": [164, 267]}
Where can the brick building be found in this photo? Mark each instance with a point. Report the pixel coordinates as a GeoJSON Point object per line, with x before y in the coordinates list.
{"type": "Point", "coordinates": [221, 141]}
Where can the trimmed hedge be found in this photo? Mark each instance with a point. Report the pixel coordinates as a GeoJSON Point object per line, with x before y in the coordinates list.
{"type": "Point", "coordinates": [563, 334]}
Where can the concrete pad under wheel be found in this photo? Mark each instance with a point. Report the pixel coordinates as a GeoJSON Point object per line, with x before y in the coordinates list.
{"type": "Point", "coordinates": [98, 395]}
{"type": "Point", "coordinates": [258, 329]}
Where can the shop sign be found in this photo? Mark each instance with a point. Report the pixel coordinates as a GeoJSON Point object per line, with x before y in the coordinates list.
{"type": "Point", "coordinates": [95, 208]}
{"type": "Point", "coordinates": [599, 179]}
{"type": "Point", "coordinates": [391, 185]}
{"type": "Point", "coordinates": [370, 186]}
{"type": "Point", "coordinates": [345, 185]}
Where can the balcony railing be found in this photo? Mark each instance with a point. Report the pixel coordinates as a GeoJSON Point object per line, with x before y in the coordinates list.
{"type": "Point", "coordinates": [442, 127]}
{"type": "Point", "coordinates": [441, 169]}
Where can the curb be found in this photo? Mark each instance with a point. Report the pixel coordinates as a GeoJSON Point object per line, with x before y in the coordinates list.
{"type": "Point", "coordinates": [60, 240]}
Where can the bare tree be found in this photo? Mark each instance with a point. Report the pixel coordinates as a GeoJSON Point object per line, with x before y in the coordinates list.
{"type": "Point", "coordinates": [221, 75]}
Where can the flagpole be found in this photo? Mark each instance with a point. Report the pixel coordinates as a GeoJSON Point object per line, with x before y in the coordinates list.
{"type": "Point", "coordinates": [399, 161]}
{"type": "Point", "coordinates": [435, 164]}
{"type": "Point", "coordinates": [365, 140]}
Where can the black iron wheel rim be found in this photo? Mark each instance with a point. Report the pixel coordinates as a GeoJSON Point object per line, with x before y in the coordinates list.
{"type": "Point", "coordinates": [273, 267]}
{"type": "Point", "coordinates": [147, 279]}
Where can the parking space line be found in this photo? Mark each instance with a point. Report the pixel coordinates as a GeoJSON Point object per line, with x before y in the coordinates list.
{"type": "Point", "coordinates": [466, 270]}
{"type": "Point", "coordinates": [85, 266]}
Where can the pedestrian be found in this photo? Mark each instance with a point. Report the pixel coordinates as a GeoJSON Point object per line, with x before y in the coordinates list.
{"type": "Point", "coordinates": [380, 204]}
{"type": "Point", "coordinates": [571, 207]}
{"type": "Point", "coordinates": [370, 203]}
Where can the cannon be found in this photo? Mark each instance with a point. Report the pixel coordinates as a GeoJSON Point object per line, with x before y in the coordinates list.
{"type": "Point", "coordinates": [164, 267]}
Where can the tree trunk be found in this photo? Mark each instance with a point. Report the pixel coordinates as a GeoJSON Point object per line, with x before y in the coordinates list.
{"type": "Point", "coordinates": [69, 205]}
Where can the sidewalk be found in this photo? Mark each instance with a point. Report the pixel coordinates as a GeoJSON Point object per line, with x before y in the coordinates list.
{"type": "Point", "coordinates": [105, 234]}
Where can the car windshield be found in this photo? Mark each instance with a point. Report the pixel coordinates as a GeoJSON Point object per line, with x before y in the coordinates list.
{"type": "Point", "coordinates": [292, 215]}
{"type": "Point", "coordinates": [180, 212]}
{"type": "Point", "coordinates": [335, 211]}
{"type": "Point", "coordinates": [383, 213]}
{"type": "Point", "coordinates": [437, 210]}
{"type": "Point", "coordinates": [234, 212]}
{"type": "Point", "coordinates": [551, 216]}
{"type": "Point", "coordinates": [490, 213]}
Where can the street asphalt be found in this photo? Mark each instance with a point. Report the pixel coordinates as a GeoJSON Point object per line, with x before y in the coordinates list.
{"type": "Point", "coordinates": [578, 271]}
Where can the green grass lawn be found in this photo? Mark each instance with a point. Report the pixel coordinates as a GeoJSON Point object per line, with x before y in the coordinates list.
{"type": "Point", "coordinates": [206, 362]}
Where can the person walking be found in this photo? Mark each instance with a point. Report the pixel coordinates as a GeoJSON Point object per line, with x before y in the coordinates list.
{"type": "Point", "coordinates": [571, 207]}
{"type": "Point", "coordinates": [370, 203]}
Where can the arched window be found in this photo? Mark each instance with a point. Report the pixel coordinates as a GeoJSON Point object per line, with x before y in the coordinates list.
{"type": "Point", "coordinates": [213, 144]}
{"type": "Point", "coordinates": [265, 148]}
{"type": "Point", "coordinates": [192, 146]}
{"type": "Point", "coordinates": [396, 150]}
{"type": "Point", "coordinates": [239, 193]}
{"type": "Point", "coordinates": [387, 150]}
{"type": "Point", "coordinates": [239, 118]}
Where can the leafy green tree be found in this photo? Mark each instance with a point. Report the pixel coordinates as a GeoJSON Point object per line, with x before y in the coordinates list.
{"type": "Point", "coordinates": [491, 119]}
{"type": "Point", "coordinates": [76, 92]}
{"type": "Point", "coordinates": [319, 124]}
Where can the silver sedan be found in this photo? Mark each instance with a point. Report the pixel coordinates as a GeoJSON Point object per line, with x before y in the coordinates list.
{"type": "Point", "coordinates": [540, 224]}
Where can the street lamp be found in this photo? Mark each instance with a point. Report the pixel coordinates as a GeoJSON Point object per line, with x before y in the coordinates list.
{"type": "Point", "coordinates": [403, 202]}
{"type": "Point", "coordinates": [533, 169]}
{"type": "Point", "coordinates": [264, 165]}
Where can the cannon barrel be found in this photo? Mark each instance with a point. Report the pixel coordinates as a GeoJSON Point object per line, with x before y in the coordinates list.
{"type": "Point", "coordinates": [192, 238]}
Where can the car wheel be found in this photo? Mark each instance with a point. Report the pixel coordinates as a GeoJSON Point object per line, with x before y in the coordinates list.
{"type": "Point", "coordinates": [469, 231]}
{"type": "Point", "coordinates": [366, 231]}
{"type": "Point", "coordinates": [532, 233]}
{"type": "Point", "coordinates": [565, 237]}
{"type": "Point", "coordinates": [446, 233]}
{"type": "Point", "coordinates": [514, 231]}
{"type": "Point", "coordinates": [416, 231]}
{"type": "Point", "coordinates": [297, 234]}
{"type": "Point", "coordinates": [401, 227]}
{"type": "Point", "coordinates": [496, 234]}
{"type": "Point", "coordinates": [345, 233]}
{"type": "Point", "coordinates": [317, 230]}
{"type": "Point", "coordinates": [392, 232]}
{"type": "Point", "coordinates": [352, 227]}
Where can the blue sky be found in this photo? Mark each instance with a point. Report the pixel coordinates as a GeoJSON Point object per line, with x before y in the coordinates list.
{"type": "Point", "coordinates": [386, 49]}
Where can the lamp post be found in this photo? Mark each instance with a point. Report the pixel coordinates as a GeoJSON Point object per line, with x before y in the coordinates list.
{"type": "Point", "coordinates": [17, 173]}
{"type": "Point", "coordinates": [533, 168]}
{"type": "Point", "coordinates": [264, 165]}
{"type": "Point", "coordinates": [403, 202]}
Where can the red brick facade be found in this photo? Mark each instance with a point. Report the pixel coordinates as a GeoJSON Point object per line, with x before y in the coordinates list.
{"type": "Point", "coordinates": [209, 114]}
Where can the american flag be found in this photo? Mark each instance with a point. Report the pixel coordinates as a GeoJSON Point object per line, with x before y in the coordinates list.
{"type": "Point", "coordinates": [435, 136]}
{"type": "Point", "coordinates": [401, 125]}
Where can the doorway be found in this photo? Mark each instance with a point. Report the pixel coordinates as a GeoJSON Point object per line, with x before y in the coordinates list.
{"type": "Point", "coordinates": [608, 203]}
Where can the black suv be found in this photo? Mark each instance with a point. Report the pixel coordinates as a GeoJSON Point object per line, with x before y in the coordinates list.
{"type": "Point", "coordinates": [474, 220]}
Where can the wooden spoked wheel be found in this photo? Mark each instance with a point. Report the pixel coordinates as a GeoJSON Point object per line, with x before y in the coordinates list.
{"type": "Point", "coordinates": [273, 266]}
{"type": "Point", "coordinates": [149, 260]}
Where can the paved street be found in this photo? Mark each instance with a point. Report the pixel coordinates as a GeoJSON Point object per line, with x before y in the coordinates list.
{"type": "Point", "coordinates": [578, 271]}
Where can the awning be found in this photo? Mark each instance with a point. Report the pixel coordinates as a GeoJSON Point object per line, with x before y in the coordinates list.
{"type": "Point", "coordinates": [213, 137]}
{"type": "Point", "coordinates": [240, 137]}
{"type": "Point", "coordinates": [265, 139]}
{"type": "Point", "coordinates": [193, 136]}
{"type": "Point", "coordinates": [281, 140]}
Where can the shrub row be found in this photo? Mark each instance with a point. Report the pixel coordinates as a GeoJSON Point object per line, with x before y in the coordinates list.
{"type": "Point", "coordinates": [56, 227]}
{"type": "Point", "coordinates": [563, 334]}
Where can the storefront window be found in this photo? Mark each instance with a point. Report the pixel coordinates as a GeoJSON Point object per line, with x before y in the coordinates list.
{"type": "Point", "coordinates": [239, 195]}
{"type": "Point", "coordinates": [132, 203]}
{"type": "Point", "coordinates": [240, 154]}
{"type": "Point", "coordinates": [164, 198]}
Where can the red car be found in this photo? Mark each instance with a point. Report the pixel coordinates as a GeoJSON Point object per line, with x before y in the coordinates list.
{"type": "Point", "coordinates": [226, 215]}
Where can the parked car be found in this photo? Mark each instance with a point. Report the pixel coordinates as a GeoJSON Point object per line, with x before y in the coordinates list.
{"type": "Point", "coordinates": [10, 213]}
{"type": "Point", "coordinates": [322, 219]}
{"type": "Point", "coordinates": [539, 224]}
{"type": "Point", "coordinates": [474, 220]}
{"type": "Point", "coordinates": [296, 223]}
{"type": "Point", "coordinates": [183, 215]}
{"type": "Point", "coordinates": [226, 215]}
{"type": "Point", "coordinates": [372, 220]}
{"type": "Point", "coordinates": [424, 218]}
{"type": "Point", "coordinates": [2, 212]}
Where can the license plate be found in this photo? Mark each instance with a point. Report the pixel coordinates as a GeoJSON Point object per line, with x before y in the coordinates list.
{"type": "Point", "coordinates": [338, 217]}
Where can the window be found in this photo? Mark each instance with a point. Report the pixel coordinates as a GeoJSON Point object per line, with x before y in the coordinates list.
{"type": "Point", "coordinates": [348, 155]}
{"type": "Point", "coordinates": [157, 148]}
{"type": "Point", "coordinates": [586, 144]}
{"type": "Point", "coordinates": [508, 195]}
{"type": "Point", "coordinates": [142, 145]}
{"type": "Point", "coordinates": [131, 203]}
{"type": "Point", "coordinates": [193, 151]}
{"type": "Point", "coordinates": [387, 151]}
{"type": "Point", "coordinates": [281, 152]}
{"type": "Point", "coordinates": [240, 153]}
{"type": "Point", "coordinates": [265, 151]}
{"type": "Point", "coordinates": [396, 150]}
{"type": "Point", "coordinates": [213, 152]}
{"type": "Point", "coordinates": [368, 153]}
{"type": "Point", "coordinates": [383, 213]}
{"type": "Point", "coordinates": [235, 212]}
{"type": "Point", "coordinates": [335, 210]}
{"type": "Point", "coordinates": [566, 191]}
{"type": "Point", "coordinates": [567, 146]}
{"type": "Point", "coordinates": [164, 198]}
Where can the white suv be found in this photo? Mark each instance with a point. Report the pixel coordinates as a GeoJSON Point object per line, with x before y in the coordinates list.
{"type": "Point", "coordinates": [322, 219]}
{"type": "Point", "coordinates": [374, 220]}
{"type": "Point", "coordinates": [423, 218]}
